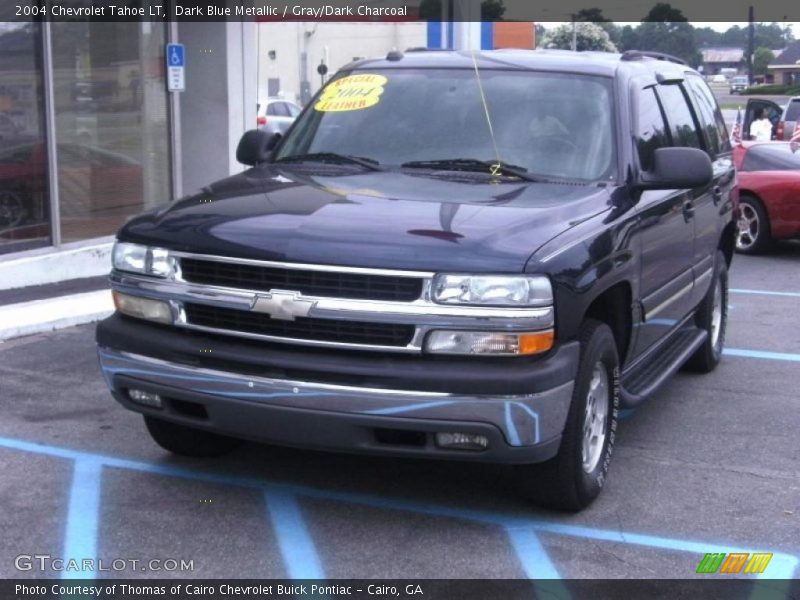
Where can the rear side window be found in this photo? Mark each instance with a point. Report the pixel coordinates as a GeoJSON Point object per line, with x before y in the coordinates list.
{"type": "Point", "coordinates": [679, 117]}
{"type": "Point", "coordinates": [793, 111]}
{"type": "Point", "coordinates": [710, 115]}
{"type": "Point", "coordinates": [651, 132]}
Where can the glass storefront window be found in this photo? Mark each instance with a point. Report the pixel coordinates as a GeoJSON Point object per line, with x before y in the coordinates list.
{"type": "Point", "coordinates": [24, 197]}
{"type": "Point", "coordinates": [112, 132]}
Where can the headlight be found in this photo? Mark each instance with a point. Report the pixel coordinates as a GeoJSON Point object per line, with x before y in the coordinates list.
{"type": "Point", "coordinates": [141, 259]}
{"type": "Point", "coordinates": [493, 290]}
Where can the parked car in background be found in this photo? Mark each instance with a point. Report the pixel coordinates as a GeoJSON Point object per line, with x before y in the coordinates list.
{"type": "Point", "coordinates": [769, 194]}
{"type": "Point", "coordinates": [719, 79]}
{"type": "Point", "coordinates": [276, 115]}
{"type": "Point", "coordinates": [739, 84]}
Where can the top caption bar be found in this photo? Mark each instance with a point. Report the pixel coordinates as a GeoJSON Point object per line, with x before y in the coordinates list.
{"type": "Point", "coordinates": [381, 10]}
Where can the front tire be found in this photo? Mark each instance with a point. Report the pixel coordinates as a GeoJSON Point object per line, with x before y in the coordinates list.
{"type": "Point", "coordinates": [753, 234]}
{"type": "Point", "coordinates": [187, 441]}
{"type": "Point", "coordinates": [575, 476]}
{"type": "Point", "coordinates": [712, 316]}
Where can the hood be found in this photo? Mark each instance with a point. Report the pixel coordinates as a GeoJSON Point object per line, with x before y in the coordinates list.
{"type": "Point", "coordinates": [400, 220]}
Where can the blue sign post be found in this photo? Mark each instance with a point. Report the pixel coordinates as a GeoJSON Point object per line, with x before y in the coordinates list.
{"type": "Point", "coordinates": [176, 66]}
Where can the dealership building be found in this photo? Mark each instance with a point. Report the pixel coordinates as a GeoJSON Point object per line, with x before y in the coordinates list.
{"type": "Point", "coordinates": [90, 134]}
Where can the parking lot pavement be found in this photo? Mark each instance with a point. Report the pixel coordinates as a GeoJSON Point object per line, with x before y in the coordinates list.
{"type": "Point", "coordinates": [710, 464]}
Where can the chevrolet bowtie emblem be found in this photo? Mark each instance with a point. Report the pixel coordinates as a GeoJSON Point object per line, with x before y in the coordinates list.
{"type": "Point", "coordinates": [283, 305]}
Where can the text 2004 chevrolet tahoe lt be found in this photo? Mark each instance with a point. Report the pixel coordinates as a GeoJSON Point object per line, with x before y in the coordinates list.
{"type": "Point", "coordinates": [450, 255]}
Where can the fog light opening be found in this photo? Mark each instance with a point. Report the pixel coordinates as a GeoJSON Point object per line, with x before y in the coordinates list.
{"type": "Point", "coordinates": [145, 398]}
{"type": "Point", "coordinates": [462, 441]}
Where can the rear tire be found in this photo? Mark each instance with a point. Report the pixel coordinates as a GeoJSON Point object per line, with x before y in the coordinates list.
{"type": "Point", "coordinates": [188, 441]}
{"type": "Point", "coordinates": [575, 476]}
{"type": "Point", "coordinates": [712, 317]}
{"type": "Point", "coordinates": [753, 235]}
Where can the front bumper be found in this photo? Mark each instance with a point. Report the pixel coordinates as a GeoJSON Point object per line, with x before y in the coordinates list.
{"type": "Point", "coordinates": [521, 428]}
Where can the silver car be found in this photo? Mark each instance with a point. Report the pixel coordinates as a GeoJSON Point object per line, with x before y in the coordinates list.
{"type": "Point", "coordinates": [789, 119]}
{"type": "Point", "coordinates": [277, 114]}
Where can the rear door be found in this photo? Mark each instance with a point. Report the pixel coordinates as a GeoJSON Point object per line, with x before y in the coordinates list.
{"type": "Point", "coordinates": [756, 105]}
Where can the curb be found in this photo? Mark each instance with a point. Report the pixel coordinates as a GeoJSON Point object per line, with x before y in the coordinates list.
{"type": "Point", "coordinates": [39, 316]}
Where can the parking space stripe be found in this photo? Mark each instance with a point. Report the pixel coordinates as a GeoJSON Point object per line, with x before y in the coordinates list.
{"type": "Point", "coordinates": [297, 542]}
{"type": "Point", "coordinates": [294, 540]}
{"type": "Point", "coordinates": [80, 539]}
{"type": "Point", "coordinates": [762, 354]}
{"type": "Point", "coordinates": [534, 558]}
{"type": "Point", "coordinates": [764, 293]}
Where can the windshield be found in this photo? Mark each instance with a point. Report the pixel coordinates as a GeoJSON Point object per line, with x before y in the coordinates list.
{"type": "Point", "coordinates": [548, 125]}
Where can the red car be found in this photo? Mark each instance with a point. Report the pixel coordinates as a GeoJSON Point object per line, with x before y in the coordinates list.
{"type": "Point", "coordinates": [769, 194]}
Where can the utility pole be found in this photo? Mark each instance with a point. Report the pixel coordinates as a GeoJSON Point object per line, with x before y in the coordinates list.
{"type": "Point", "coordinates": [574, 33]}
{"type": "Point", "coordinates": [751, 32]}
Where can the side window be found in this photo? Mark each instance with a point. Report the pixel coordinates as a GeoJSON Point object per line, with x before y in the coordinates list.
{"type": "Point", "coordinates": [706, 109]}
{"type": "Point", "coordinates": [679, 116]}
{"type": "Point", "coordinates": [651, 132]}
{"type": "Point", "coordinates": [293, 110]}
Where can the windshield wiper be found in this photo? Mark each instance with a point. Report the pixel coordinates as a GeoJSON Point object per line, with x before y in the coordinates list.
{"type": "Point", "coordinates": [333, 157]}
{"type": "Point", "coordinates": [491, 167]}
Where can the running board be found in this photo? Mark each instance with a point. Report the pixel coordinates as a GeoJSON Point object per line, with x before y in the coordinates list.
{"type": "Point", "coordinates": [646, 377]}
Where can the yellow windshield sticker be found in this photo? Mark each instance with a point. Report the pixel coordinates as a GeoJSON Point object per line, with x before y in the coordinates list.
{"type": "Point", "coordinates": [355, 92]}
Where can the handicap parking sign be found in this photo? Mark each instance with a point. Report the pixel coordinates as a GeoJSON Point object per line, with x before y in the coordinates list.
{"type": "Point", "coordinates": [176, 63]}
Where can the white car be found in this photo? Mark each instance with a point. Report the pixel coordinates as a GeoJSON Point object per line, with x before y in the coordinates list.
{"type": "Point", "coordinates": [277, 114]}
{"type": "Point", "coordinates": [719, 79]}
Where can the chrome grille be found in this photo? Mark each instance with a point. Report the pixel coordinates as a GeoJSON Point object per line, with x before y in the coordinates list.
{"type": "Point", "coordinates": [330, 284]}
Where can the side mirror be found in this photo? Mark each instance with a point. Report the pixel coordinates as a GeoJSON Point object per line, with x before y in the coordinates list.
{"type": "Point", "coordinates": [256, 146]}
{"type": "Point", "coordinates": [677, 168]}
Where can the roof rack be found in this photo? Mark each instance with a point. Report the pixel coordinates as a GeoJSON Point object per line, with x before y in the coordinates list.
{"type": "Point", "coordinates": [640, 54]}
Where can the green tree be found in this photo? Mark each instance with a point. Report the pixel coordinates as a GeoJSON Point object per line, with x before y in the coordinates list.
{"type": "Point", "coordinates": [761, 58]}
{"type": "Point", "coordinates": [595, 15]}
{"type": "Point", "coordinates": [666, 29]}
{"type": "Point", "coordinates": [589, 36]}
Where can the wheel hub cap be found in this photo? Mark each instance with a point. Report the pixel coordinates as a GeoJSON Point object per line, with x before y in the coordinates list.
{"type": "Point", "coordinates": [595, 418]}
{"type": "Point", "coordinates": [747, 227]}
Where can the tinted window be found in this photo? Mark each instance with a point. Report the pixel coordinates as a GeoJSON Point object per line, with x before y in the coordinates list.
{"type": "Point", "coordinates": [793, 111]}
{"type": "Point", "coordinates": [294, 110]}
{"type": "Point", "coordinates": [679, 117]}
{"type": "Point", "coordinates": [277, 109]}
{"type": "Point", "coordinates": [710, 115]}
{"type": "Point", "coordinates": [650, 129]}
{"type": "Point", "coordinates": [552, 125]}
{"type": "Point", "coordinates": [771, 157]}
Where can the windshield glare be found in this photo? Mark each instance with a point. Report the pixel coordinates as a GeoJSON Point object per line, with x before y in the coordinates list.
{"type": "Point", "coordinates": [553, 125]}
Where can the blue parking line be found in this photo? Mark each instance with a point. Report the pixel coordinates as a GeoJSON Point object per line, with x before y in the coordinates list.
{"type": "Point", "coordinates": [534, 558]}
{"type": "Point", "coordinates": [83, 513]}
{"type": "Point", "coordinates": [294, 540]}
{"type": "Point", "coordinates": [765, 293]}
{"type": "Point", "coordinates": [762, 354]}
{"type": "Point", "coordinates": [298, 543]}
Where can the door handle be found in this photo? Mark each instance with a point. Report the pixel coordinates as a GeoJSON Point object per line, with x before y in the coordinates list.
{"type": "Point", "coordinates": [716, 194]}
{"type": "Point", "coordinates": [688, 210]}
